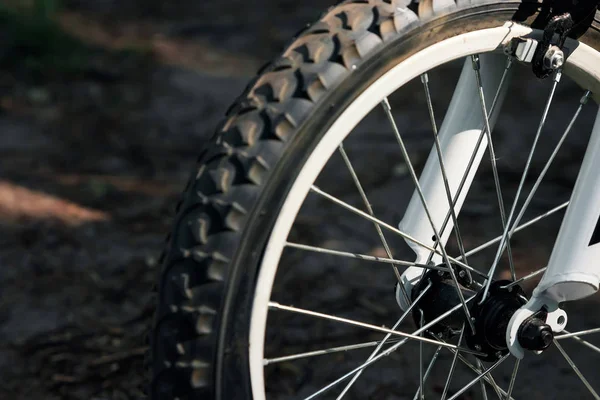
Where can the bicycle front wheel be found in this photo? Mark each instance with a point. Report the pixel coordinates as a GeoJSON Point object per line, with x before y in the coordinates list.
{"type": "Point", "coordinates": [298, 196]}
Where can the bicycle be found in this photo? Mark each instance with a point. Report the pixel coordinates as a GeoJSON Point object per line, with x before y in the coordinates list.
{"type": "Point", "coordinates": [216, 285]}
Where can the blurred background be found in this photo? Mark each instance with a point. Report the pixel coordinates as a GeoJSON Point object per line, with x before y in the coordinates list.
{"type": "Point", "coordinates": [104, 106]}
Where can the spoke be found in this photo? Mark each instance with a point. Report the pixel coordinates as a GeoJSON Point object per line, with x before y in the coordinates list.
{"type": "Point", "coordinates": [487, 378]}
{"type": "Point", "coordinates": [576, 370]}
{"type": "Point", "coordinates": [422, 394]}
{"type": "Point", "coordinates": [315, 353]}
{"type": "Point", "coordinates": [525, 278]}
{"type": "Point", "coordinates": [438, 147]}
{"type": "Point", "coordinates": [269, 361]}
{"type": "Point", "coordinates": [385, 339]}
{"type": "Point", "coordinates": [277, 306]}
{"type": "Point", "coordinates": [557, 77]}
{"type": "Point", "coordinates": [483, 391]}
{"type": "Point", "coordinates": [472, 159]}
{"type": "Point", "coordinates": [538, 181]}
{"type": "Point", "coordinates": [358, 256]}
{"type": "Point", "coordinates": [580, 333]}
{"type": "Point", "coordinates": [388, 111]}
{"type": "Point", "coordinates": [388, 226]}
{"type": "Point", "coordinates": [479, 377]}
{"type": "Point", "coordinates": [476, 68]}
{"type": "Point", "coordinates": [513, 378]}
{"type": "Point", "coordinates": [525, 225]}
{"type": "Point", "coordinates": [389, 351]}
{"type": "Point", "coordinates": [453, 365]}
{"type": "Point", "coordinates": [428, 371]}
{"type": "Point", "coordinates": [580, 340]}
{"type": "Point", "coordinates": [365, 199]}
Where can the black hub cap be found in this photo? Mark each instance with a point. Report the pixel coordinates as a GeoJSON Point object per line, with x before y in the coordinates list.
{"type": "Point", "coordinates": [490, 318]}
{"type": "Point", "coordinates": [440, 298]}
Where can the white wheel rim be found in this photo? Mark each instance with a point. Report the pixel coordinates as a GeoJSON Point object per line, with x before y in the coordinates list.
{"type": "Point", "coordinates": [583, 58]}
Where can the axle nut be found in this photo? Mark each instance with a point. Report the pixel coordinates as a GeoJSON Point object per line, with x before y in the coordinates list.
{"type": "Point", "coordinates": [535, 335]}
{"type": "Point", "coordinates": [554, 58]}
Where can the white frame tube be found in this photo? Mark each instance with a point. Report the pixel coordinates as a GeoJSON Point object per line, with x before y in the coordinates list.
{"type": "Point", "coordinates": [458, 137]}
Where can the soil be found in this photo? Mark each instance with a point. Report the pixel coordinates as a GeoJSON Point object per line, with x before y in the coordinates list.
{"type": "Point", "coordinates": [92, 164]}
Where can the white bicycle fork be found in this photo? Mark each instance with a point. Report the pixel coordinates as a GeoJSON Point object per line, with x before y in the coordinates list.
{"type": "Point", "coordinates": [573, 271]}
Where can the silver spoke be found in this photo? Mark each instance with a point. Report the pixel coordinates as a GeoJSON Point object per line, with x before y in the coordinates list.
{"type": "Point", "coordinates": [363, 195]}
{"type": "Point", "coordinates": [538, 181]}
{"type": "Point", "coordinates": [520, 228]}
{"type": "Point", "coordinates": [580, 333]}
{"type": "Point", "coordinates": [427, 372]}
{"type": "Point", "coordinates": [422, 394]}
{"type": "Point", "coordinates": [487, 378]}
{"type": "Point", "coordinates": [583, 342]}
{"type": "Point", "coordinates": [388, 351]}
{"type": "Point", "coordinates": [483, 391]}
{"type": "Point", "coordinates": [476, 68]}
{"type": "Point", "coordinates": [557, 77]}
{"type": "Point", "coordinates": [479, 377]}
{"type": "Point", "coordinates": [385, 339]}
{"type": "Point", "coordinates": [525, 278]}
{"type": "Point", "coordinates": [576, 370]}
{"type": "Point", "coordinates": [359, 256]}
{"type": "Point", "coordinates": [277, 306]}
{"type": "Point", "coordinates": [388, 226]}
{"type": "Point", "coordinates": [388, 111]}
{"type": "Point", "coordinates": [453, 365]}
{"type": "Point", "coordinates": [472, 159]}
{"type": "Point", "coordinates": [269, 361]}
{"type": "Point", "coordinates": [513, 378]}
{"type": "Point", "coordinates": [438, 148]}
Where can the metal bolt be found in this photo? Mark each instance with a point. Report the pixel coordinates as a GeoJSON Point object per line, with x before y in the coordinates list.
{"type": "Point", "coordinates": [554, 58]}
{"type": "Point", "coordinates": [462, 273]}
{"type": "Point", "coordinates": [535, 334]}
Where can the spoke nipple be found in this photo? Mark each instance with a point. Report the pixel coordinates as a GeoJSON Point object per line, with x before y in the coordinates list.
{"type": "Point", "coordinates": [509, 289]}
{"type": "Point", "coordinates": [475, 62]}
{"type": "Point", "coordinates": [557, 76]}
{"type": "Point", "coordinates": [509, 62]}
{"type": "Point", "coordinates": [386, 104]}
{"type": "Point", "coordinates": [585, 97]}
{"type": "Point", "coordinates": [425, 78]}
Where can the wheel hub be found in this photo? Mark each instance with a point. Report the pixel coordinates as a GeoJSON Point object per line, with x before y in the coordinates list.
{"type": "Point", "coordinates": [490, 318]}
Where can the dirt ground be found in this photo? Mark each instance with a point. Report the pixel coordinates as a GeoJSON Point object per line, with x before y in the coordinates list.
{"type": "Point", "coordinates": [92, 164]}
